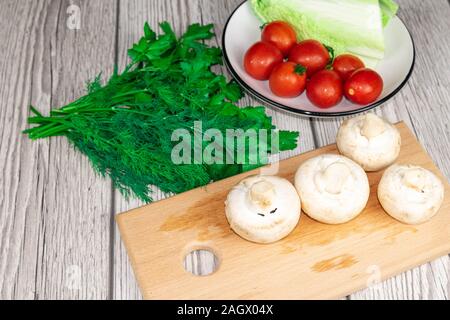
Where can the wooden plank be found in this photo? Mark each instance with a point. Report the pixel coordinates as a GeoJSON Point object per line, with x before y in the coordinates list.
{"type": "Point", "coordinates": [22, 163]}
{"type": "Point", "coordinates": [76, 257]}
{"type": "Point", "coordinates": [56, 213]}
{"type": "Point", "coordinates": [181, 13]}
{"type": "Point", "coordinates": [423, 105]}
{"type": "Point", "coordinates": [316, 261]}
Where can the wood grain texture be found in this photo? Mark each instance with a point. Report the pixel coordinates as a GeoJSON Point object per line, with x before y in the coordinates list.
{"type": "Point", "coordinates": [21, 183]}
{"type": "Point", "coordinates": [58, 239]}
{"type": "Point", "coordinates": [77, 203]}
{"type": "Point", "coordinates": [55, 211]}
{"type": "Point", "coordinates": [316, 261]}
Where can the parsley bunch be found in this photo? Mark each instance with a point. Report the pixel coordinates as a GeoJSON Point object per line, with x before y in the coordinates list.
{"type": "Point", "coordinates": [125, 126]}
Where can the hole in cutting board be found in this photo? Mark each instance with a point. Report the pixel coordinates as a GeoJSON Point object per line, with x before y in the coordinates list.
{"type": "Point", "coordinates": [201, 262]}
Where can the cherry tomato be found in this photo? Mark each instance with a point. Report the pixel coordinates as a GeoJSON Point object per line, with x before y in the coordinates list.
{"type": "Point", "coordinates": [261, 59]}
{"type": "Point", "coordinates": [325, 89]}
{"type": "Point", "coordinates": [364, 87]}
{"type": "Point", "coordinates": [281, 35]}
{"type": "Point", "coordinates": [346, 64]}
{"type": "Point", "coordinates": [288, 80]}
{"type": "Point", "coordinates": [311, 54]}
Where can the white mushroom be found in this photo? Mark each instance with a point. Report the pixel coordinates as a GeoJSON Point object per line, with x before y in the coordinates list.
{"type": "Point", "coordinates": [410, 194]}
{"type": "Point", "coordinates": [333, 188]}
{"type": "Point", "coordinates": [263, 209]}
{"type": "Point", "coordinates": [370, 141]}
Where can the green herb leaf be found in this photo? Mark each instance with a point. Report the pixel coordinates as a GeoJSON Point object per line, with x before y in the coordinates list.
{"type": "Point", "coordinates": [125, 127]}
{"type": "Point", "coordinates": [150, 35]}
{"type": "Point", "coordinates": [198, 32]}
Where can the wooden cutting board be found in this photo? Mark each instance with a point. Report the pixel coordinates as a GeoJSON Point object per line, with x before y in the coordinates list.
{"type": "Point", "coordinates": [316, 261]}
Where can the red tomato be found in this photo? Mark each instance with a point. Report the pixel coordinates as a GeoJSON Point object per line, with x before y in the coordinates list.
{"type": "Point", "coordinates": [346, 64]}
{"type": "Point", "coordinates": [261, 59]}
{"type": "Point", "coordinates": [325, 89]}
{"type": "Point", "coordinates": [288, 80]}
{"type": "Point", "coordinates": [311, 54]}
{"type": "Point", "coordinates": [281, 35]}
{"type": "Point", "coordinates": [364, 87]}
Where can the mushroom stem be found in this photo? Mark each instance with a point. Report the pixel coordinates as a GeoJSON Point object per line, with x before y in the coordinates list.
{"type": "Point", "coordinates": [335, 177]}
{"type": "Point", "coordinates": [373, 126]}
{"type": "Point", "coordinates": [262, 193]}
{"type": "Point", "coordinates": [415, 179]}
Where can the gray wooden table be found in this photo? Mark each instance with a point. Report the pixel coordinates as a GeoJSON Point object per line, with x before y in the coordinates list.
{"type": "Point", "coordinates": [58, 235]}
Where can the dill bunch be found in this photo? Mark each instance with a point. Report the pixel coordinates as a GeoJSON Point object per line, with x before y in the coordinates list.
{"type": "Point", "coordinates": [125, 126]}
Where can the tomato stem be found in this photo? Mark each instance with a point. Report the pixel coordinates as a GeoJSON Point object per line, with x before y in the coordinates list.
{"type": "Point", "coordinates": [263, 26]}
{"type": "Point", "coordinates": [332, 57]}
{"type": "Point", "coordinates": [299, 69]}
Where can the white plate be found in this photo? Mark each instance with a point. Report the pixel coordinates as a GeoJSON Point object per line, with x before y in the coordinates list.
{"type": "Point", "coordinates": [243, 29]}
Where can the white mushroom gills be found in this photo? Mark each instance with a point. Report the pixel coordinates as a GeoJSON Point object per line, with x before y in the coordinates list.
{"type": "Point", "coordinates": [335, 177]}
{"type": "Point", "coordinates": [262, 194]}
{"type": "Point", "coordinates": [373, 126]}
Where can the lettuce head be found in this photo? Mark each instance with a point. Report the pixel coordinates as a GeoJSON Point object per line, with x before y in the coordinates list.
{"type": "Point", "coordinates": [348, 26]}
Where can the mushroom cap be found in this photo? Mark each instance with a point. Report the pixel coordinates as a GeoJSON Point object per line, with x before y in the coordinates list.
{"type": "Point", "coordinates": [410, 194]}
{"type": "Point", "coordinates": [370, 141]}
{"type": "Point", "coordinates": [263, 209]}
{"type": "Point", "coordinates": [333, 188]}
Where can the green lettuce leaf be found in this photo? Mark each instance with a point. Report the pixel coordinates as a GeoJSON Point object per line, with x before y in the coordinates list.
{"type": "Point", "coordinates": [388, 10]}
{"type": "Point", "coordinates": [348, 26]}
